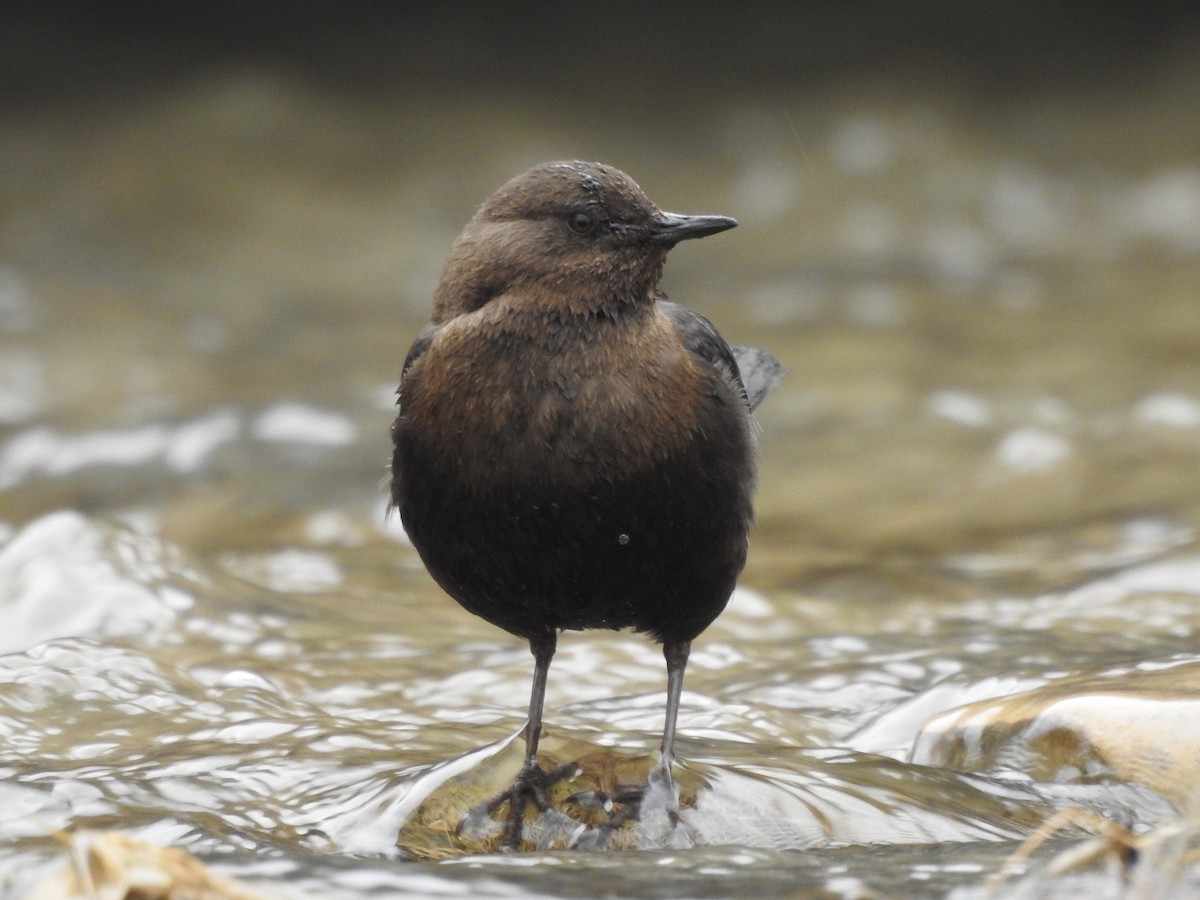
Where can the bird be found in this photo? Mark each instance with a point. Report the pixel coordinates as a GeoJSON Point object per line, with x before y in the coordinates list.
{"type": "Point", "coordinates": [572, 450]}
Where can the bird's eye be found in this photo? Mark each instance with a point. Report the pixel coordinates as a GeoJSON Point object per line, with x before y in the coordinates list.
{"type": "Point", "coordinates": [580, 223]}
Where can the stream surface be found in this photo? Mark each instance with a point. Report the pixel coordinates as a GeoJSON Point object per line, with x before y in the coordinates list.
{"type": "Point", "coordinates": [981, 475]}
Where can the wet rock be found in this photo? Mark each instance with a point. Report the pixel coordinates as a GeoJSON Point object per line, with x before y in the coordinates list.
{"type": "Point", "coordinates": [450, 819]}
{"type": "Point", "coordinates": [1141, 727]}
{"type": "Point", "coordinates": [115, 866]}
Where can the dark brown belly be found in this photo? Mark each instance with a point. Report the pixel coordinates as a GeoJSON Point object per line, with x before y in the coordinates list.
{"type": "Point", "coordinates": [658, 550]}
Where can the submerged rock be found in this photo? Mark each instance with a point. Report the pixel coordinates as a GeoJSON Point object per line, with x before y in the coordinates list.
{"type": "Point", "coordinates": [451, 818]}
{"type": "Point", "coordinates": [802, 799]}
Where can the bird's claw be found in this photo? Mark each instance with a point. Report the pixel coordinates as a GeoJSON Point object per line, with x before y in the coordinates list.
{"type": "Point", "coordinates": [654, 805]}
{"type": "Point", "coordinates": [532, 785]}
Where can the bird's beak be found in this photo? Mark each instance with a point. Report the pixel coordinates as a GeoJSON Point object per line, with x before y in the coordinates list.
{"type": "Point", "coordinates": [671, 228]}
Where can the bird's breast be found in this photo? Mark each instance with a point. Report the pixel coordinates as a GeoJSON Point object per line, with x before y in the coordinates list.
{"type": "Point", "coordinates": [600, 404]}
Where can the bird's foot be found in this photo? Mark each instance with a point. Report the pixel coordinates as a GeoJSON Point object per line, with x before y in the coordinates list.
{"type": "Point", "coordinates": [654, 807]}
{"type": "Point", "coordinates": [532, 785]}
{"type": "Point", "coordinates": [621, 805]}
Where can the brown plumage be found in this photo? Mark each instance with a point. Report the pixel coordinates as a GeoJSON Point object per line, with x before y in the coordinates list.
{"type": "Point", "coordinates": [573, 451]}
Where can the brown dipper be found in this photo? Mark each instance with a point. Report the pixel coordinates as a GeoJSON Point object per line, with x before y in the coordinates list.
{"type": "Point", "coordinates": [573, 450]}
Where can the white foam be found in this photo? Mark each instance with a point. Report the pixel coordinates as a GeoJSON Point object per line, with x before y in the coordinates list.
{"type": "Point", "coordinates": [299, 423]}
{"type": "Point", "coordinates": [185, 448]}
{"type": "Point", "coordinates": [58, 578]}
{"type": "Point", "coordinates": [1168, 408]}
{"type": "Point", "coordinates": [1032, 450]}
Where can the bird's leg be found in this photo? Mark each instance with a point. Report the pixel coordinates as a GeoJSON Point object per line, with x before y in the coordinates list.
{"type": "Point", "coordinates": [532, 784]}
{"type": "Point", "coordinates": [660, 786]}
{"type": "Point", "coordinates": [542, 649]}
{"type": "Point", "coordinates": [676, 653]}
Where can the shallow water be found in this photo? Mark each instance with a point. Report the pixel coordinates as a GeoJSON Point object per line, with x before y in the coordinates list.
{"type": "Point", "coordinates": [980, 476]}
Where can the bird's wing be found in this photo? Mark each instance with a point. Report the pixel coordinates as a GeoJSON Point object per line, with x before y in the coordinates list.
{"type": "Point", "coordinates": [701, 338]}
{"type": "Point", "coordinates": [761, 372]}
{"type": "Point", "coordinates": [753, 373]}
{"type": "Point", "coordinates": [420, 345]}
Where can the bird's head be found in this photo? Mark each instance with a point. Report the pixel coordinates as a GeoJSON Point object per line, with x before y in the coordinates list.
{"type": "Point", "coordinates": [578, 234]}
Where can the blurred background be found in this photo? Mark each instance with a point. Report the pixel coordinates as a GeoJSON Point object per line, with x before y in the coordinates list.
{"type": "Point", "coordinates": [207, 212]}
{"type": "Point", "coordinates": [971, 230]}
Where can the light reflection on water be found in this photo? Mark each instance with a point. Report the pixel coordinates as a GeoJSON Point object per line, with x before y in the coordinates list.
{"type": "Point", "coordinates": [979, 478]}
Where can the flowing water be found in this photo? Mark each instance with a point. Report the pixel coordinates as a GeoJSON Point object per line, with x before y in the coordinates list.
{"type": "Point", "coordinates": [981, 475]}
